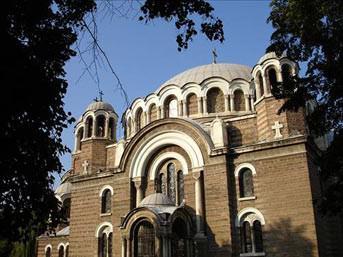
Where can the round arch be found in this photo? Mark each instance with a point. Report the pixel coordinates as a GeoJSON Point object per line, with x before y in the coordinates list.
{"type": "Point", "coordinates": [154, 143]}
{"type": "Point", "coordinates": [245, 165]}
{"type": "Point", "coordinates": [249, 210]}
{"type": "Point", "coordinates": [104, 188]}
{"type": "Point", "coordinates": [101, 226]}
{"type": "Point", "coordinates": [165, 156]}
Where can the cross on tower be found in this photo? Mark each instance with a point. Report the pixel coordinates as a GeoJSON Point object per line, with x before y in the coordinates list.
{"type": "Point", "coordinates": [85, 165]}
{"type": "Point", "coordinates": [214, 53]}
{"type": "Point", "coordinates": [100, 95]}
{"type": "Point", "coordinates": [277, 127]}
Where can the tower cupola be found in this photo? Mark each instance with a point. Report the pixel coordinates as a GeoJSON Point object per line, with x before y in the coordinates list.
{"type": "Point", "coordinates": [94, 131]}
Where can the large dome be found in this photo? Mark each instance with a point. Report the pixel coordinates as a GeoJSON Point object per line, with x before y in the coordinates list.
{"type": "Point", "coordinates": [99, 105]}
{"type": "Point", "coordinates": [198, 74]}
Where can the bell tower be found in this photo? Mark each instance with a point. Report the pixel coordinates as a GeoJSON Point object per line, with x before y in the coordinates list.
{"type": "Point", "coordinates": [94, 131]}
{"type": "Point", "coordinates": [269, 71]}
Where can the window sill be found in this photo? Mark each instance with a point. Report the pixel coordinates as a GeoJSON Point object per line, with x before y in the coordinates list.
{"type": "Point", "coordinates": [247, 198]}
{"type": "Point", "coordinates": [105, 214]}
{"type": "Point", "coordinates": [252, 254]}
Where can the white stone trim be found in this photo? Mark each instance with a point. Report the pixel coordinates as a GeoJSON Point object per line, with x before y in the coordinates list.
{"type": "Point", "coordinates": [259, 215]}
{"type": "Point", "coordinates": [248, 198]}
{"type": "Point", "coordinates": [59, 245]}
{"type": "Point", "coordinates": [104, 188]}
{"type": "Point", "coordinates": [215, 83]}
{"type": "Point", "coordinates": [191, 88]}
{"type": "Point", "coordinates": [245, 165]}
{"type": "Point", "coordinates": [145, 152]}
{"type": "Point", "coordinates": [46, 248]}
{"type": "Point", "coordinates": [165, 156]}
{"type": "Point", "coordinates": [101, 226]}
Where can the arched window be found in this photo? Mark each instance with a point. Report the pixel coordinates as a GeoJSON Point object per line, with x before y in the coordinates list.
{"type": "Point", "coordinates": [89, 124]}
{"type": "Point", "coordinates": [111, 129]}
{"type": "Point", "coordinates": [260, 84]}
{"type": "Point", "coordinates": [105, 242]}
{"type": "Point", "coordinates": [180, 187]}
{"type": "Point", "coordinates": [238, 100]}
{"type": "Point", "coordinates": [61, 251]}
{"type": "Point", "coordinates": [100, 126]}
{"type": "Point", "coordinates": [139, 119]}
{"type": "Point", "coordinates": [144, 240]}
{"type": "Point", "coordinates": [67, 251]}
{"type": "Point", "coordinates": [171, 181]}
{"type": "Point", "coordinates": [179, 238]}
{"type": "Point", "coordinates": [79, 138]}
{"type": "Point", "coordinates": [129, 127]}
{"type": "Point", "coordinates": [170, 107]}
{"type": "Point", "coordinates": [106, 201]}
{"type": "Point", "coordinates": [48, 251]}
{"type": "Point", "coordinates": [246, 240]}
{"type": "Point", "coordinates": [272, 77]}
{"type": "Point", "coordinates": [215, 101]}
{"type": "Point", "coordinates": [246, 186]}
{"type": "Point", "coordinates": [286, 72]}
{"type": "Point", "coordinates": [251, 221]}
{"type": "Point", "coordinates": [66, 208]}
{"type": "Point", "coordinates": [192, 104]}
{"type": "Point", "coordinates": [153, 112]}
{"type": "Point", "coordinates": [257, 230]}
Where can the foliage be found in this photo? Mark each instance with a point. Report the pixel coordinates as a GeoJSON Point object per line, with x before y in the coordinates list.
{"type": "Point", "coordinates": [312, 32]}
{"type": "Point", "coordinates": [37, 40]}
{"type": "Point", "coordinates": [181, 11]}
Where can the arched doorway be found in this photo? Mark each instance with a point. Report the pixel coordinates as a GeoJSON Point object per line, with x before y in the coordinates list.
{"type": "Point", "coordinates": [144, 240]}
{"type": "Point", "coordinates": [179, 241]}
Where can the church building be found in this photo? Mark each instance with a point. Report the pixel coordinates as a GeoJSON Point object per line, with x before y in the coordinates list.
{"type": "Point", "coordinates": [206, 168]}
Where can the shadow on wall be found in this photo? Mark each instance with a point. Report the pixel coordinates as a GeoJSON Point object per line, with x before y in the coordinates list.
{"type": "Point", "coordinates": [283, 239]}
{"type": "Point", "coordinates": [234, 136]}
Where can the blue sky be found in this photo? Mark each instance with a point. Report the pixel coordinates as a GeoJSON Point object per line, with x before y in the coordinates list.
{"type": "Point", "coordinates": [145, 55]}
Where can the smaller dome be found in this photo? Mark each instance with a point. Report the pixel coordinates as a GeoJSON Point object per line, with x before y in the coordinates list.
{"type": "Point", "coordinates": [270, 55]}
{"type": "Point", "coordinates": [63, 189]}
{"type": "Point", "coordinates": [157, 199]}
{"type": "Point", "coordinates": [99, 105]}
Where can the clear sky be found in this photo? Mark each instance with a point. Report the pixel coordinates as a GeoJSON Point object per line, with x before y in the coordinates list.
{"type": "Point", "coordinates": [145, 55]}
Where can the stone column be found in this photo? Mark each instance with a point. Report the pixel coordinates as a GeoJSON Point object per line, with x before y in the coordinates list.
{"type": "Point", "coordinates": [165, 247]}
{"type": "Point", "coordinates": [94, 128]}
{"type": "Point", "coordinates": [246, 101]}
{"type": "Point", "coordinates": [106, 127]}
{"type": "Point", "coordinates": [231, 103]}
{"type": "Point", "coordinates": [199, 205]}
{"type": "Point", "coordinates": [158, 110]}
{"type": "Point", "coordinates": [128, 247]}
{"type": "Point", "coordinates": [257, 89]}
{"type": "Point", "coordinates": [123, 247]}
{"type": "Point", "coordinates": [162, 112]}
{"type": "Point", "coordinates": [76, 141]}
{"type": "Point", "coordinates": [226, 102]}
{"type": "Point", "coordinates": [179, 109]}
{"type": "Point", "coordinates": [147, 116]}
{"type": "Point", "coordinates": [265, 85]}
{"type": "Point", "coordinates": [252, 103]}
{"type": "Point", "coordinates": [184, 108]}
{"type": "Point", "coordinates": [199, 105]}
{"type": "Point", "coordinates": [204, 105]}
{"type": "Point", "coordinates": [139, 185]}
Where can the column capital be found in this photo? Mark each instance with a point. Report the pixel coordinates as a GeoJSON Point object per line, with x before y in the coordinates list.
{"type": "Point", "coordinates": [138, 181]}
{"type": "Point", "coordinates": [196, 174]}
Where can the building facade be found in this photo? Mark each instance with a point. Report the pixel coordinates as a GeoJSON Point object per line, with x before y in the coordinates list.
{"type": "Point", "coordinates": [207, 167]}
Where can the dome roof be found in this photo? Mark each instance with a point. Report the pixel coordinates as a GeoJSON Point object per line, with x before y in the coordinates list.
{"type": "Point", "coordinates": [63, 189]}
{"type": "Point", "coordinates": [270, 55]}
{"type": "Point", "coordinates": [198, 74]}
{"type": "Point", "coordinates": [157, 199]}
{"type": "Point", "coordinates": [99, 105]}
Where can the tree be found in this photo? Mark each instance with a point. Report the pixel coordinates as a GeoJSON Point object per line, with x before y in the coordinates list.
{"type": "Point", "coordinates": [312, 32]}
{"type": "Point", "coordinates": [38, 38]}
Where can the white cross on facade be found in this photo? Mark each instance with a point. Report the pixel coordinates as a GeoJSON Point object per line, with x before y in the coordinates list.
{"type": "Point", "coordinates": [277, 127]}
{"type": "Point", "coordinates": [85, 165]}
